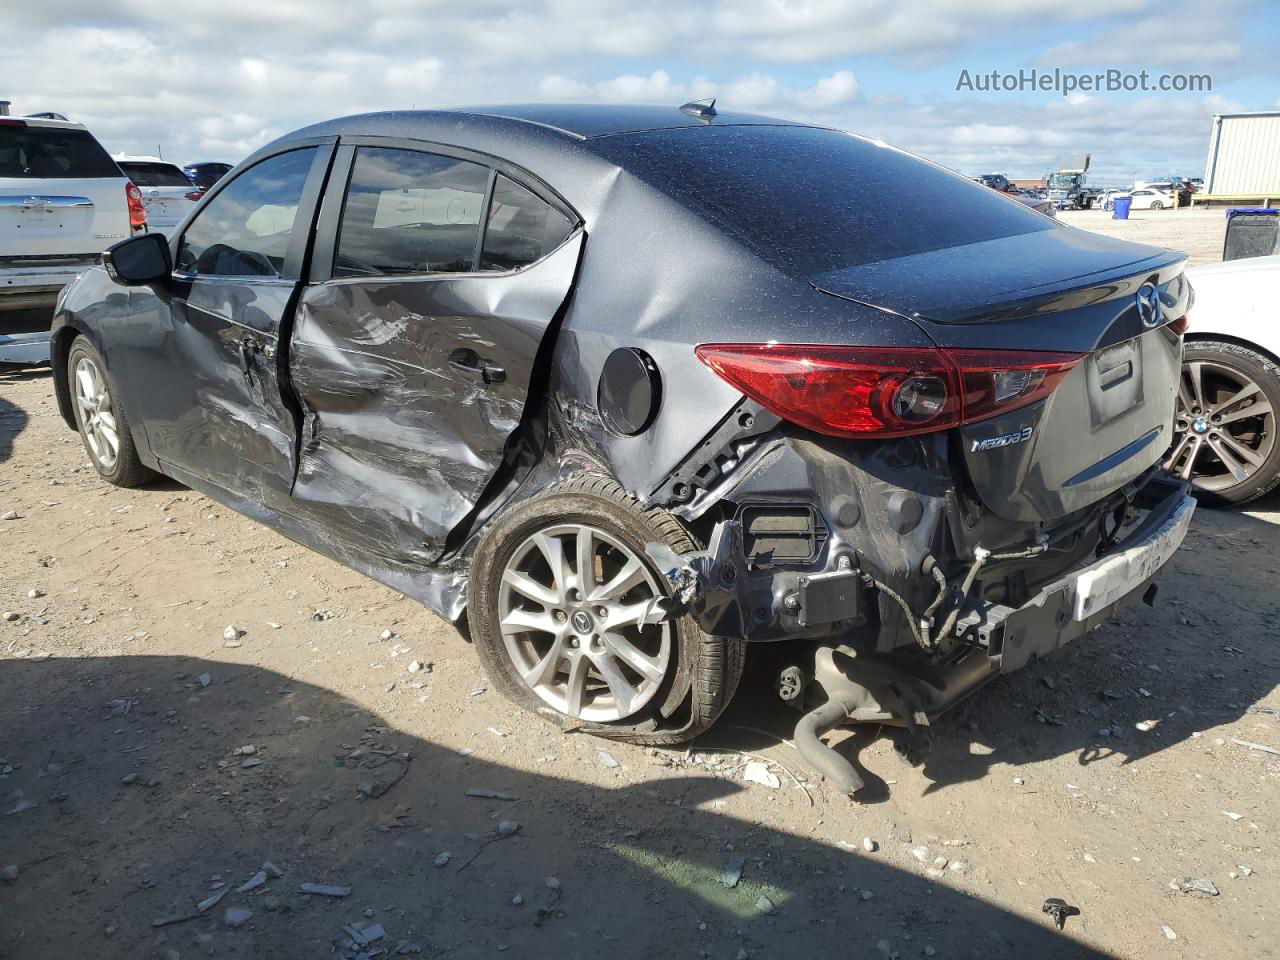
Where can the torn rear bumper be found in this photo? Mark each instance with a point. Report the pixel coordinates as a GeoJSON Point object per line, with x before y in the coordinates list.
{"type": "Point", "coordinates": [1081, 600]}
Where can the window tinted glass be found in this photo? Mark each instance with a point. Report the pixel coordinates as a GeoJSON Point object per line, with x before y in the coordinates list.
{"type": "Point", "coordinates": [245, 229]}
{"type": "Point", "coordinates": [52, 153]}
{"type": "Point", "coordinates": [410, 212]}
{"type": "Point", "coordinates": [154, 174]}
{"type": "Point", "coordinates": [819, 200]}
{"type": "Point", "coordinates": [521, 229]}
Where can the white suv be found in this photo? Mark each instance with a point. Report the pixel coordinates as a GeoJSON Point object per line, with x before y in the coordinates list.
{"type": "Point", "coordinates": [167, 194]}
{"type": "Point", "coordinates": [63, 201]}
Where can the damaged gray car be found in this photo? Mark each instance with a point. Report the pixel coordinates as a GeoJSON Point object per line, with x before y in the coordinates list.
{"type": "Point", "coordinates": [628, 388]}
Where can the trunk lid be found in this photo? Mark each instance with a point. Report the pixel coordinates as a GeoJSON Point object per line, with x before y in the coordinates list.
{"type": "Point", "coordinates": [61, 217]}
{"type": "Point", "coordinates": [1065, 290]}
{"type": "Point", "coordinates": [61, 194]}
{"type": "Point", "coordinates": [165, 206]}
{"type": "Point", "coordinates": [981, 282]}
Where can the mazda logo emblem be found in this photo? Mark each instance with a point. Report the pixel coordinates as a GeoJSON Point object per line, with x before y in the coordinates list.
{"type": "Point", "coordinates": [1149, 307]}
{"type": "Point", "coordinates": [582, 622]}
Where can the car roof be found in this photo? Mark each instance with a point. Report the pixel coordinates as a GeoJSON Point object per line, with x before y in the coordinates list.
{"type": "Point", "coordinates": [134, 158]}
{"type": "Point", "coordinates": [587, 120]}
{"type": "Point", "coordinates": [46, 122]}
{"type": "Point", "coordinates": [554, 121]}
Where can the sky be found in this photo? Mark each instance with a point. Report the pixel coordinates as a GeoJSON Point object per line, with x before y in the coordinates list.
{"type": "Point", "coordinates": [216, 80]}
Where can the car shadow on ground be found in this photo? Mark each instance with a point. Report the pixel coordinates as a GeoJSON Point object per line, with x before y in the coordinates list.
{"type": "Point", "coordinates": [128, 798]}
{"type": "Point", "coordinates": [13, 420]}
{"type": "Point", "coordinates": [1148, 680]}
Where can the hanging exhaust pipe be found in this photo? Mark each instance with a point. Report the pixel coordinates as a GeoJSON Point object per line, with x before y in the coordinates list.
{"type": "Point", "coordinates": [822, 758]}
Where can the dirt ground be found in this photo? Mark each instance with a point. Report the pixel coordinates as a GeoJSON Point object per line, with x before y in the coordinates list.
{"type": "Point", "coordinates": [147, 763]}
{"type": "Point", "coordinates": [1198, 231]}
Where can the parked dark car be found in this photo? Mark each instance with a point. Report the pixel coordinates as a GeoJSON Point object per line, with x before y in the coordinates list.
{"type": "Point", "coordinates": [628, 387]}
{"type": "Point", "coordinates": [206, 173]}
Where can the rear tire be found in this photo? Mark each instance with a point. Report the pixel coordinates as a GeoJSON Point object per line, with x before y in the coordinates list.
{"type": "Point", "coordinates": [101, 420]}
{"type": "Point", "coordinates": [1156, 205]}
{"type": "Point", "coordinates": [528, 643]}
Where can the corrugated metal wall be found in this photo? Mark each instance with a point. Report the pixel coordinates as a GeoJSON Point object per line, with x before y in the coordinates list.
{"type": "Point", "coordinates": [1244, 156]}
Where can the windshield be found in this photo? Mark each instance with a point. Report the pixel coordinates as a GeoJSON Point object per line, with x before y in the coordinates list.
{"type": "Point", "coordinates": [1063, 180]}
{"type": "Point", "coordinates": [818, 200]}
{"type": "Point", "coordinates": [151, 174]}
{"type": "Point", "coordinates": [31, 152]}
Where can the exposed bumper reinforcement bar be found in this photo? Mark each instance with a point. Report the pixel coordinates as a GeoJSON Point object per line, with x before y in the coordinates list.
{"type": "Point", "coordinates": [1080, 601]}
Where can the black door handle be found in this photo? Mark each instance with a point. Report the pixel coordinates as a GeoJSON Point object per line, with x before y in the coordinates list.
{"type": "Point", "coordinates": [468, 361]}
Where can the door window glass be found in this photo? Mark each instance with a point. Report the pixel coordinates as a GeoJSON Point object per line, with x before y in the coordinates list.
{"type": "Point", "coordinates": [245, 230]}
{"type": "Point", "coordinates": [408, 212]}
{"type": "Point", "coordinates": [522, 228]}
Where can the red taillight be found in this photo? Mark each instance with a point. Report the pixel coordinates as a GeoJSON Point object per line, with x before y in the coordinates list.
{"type": "Point", "coordinates": [12, 122]}
{"type": "Point", "coordinates": [885, 391]}
{"type": "Point", "coordinates": [194, 194]}
{"type": "Point", "coordinates": [137, 212]}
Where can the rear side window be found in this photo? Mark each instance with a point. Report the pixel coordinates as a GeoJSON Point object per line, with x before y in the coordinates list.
{"type": "Point", "coordinates": [408, 212]}
{"type": "Point", "coordinates": [817, 200]}
{"type": "Point", "coordinates": [52, 153]}
{"type": "Point", "coordinates": [522, 227]}
{"type": "Point", "coordinates": [245, 230]}
{"type": "Point", "coordinates": [154, 174]}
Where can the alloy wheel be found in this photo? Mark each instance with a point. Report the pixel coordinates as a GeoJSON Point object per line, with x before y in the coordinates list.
{"type": "Point", "coordinates": [582, 624]}
{"type": "Point", "coordinates": [101, 432]}
{"type": "Point", "coordinates": [1224, 426]}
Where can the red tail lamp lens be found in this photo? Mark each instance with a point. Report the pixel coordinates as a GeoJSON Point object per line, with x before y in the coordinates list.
{"type": "Point", "coordinates": [137, 212]}
{"type": "Point", "coordinates": [885, 391]}
{"type": "Point", "coordinates": [996, 381]}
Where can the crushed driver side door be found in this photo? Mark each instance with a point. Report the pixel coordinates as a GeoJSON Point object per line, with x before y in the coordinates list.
{"type": "Point", "coordinates": [436, 277]}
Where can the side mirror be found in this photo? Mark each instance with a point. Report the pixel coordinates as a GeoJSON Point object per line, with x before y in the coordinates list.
{"type": "Point", "coordinates": [139, 260]}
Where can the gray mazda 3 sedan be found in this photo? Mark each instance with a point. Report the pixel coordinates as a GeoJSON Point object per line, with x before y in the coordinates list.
{"type": "Point", "coordinates": [629, 388]}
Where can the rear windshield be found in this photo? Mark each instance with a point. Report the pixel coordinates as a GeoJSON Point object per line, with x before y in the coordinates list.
{"type": "Point", "coordinates": [52, 153]}
{"type": "Point", "coordinates": [819, 200]}
{"type": "Point", "coordinates": [154, 174]}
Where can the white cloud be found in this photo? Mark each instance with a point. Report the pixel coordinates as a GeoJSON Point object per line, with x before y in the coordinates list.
{"type": "Point", "coordinates": [215, 86]}
{"type": "Point", "coordinates": [752, 91]}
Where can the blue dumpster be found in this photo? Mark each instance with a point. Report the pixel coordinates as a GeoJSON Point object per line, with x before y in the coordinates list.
{"type": "Point", "coordinates": [1122, 208]}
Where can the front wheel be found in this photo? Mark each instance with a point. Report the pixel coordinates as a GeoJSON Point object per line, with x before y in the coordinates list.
{"type": "Point", "coordinates": [103, 426]}
{"type": "Point", "coordinates": [1225, 422]}
{"type": "Point", "coordinates": [565, 614]}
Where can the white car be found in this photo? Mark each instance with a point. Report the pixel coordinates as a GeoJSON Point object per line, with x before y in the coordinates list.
{"type": "Point", "coordinates": [1150, 198]}
{"type": "Point", "coordinates": [167, 194]}
{"type": "Point", "coordinates": [63, 201]}
{"type": "Point", "coordinates": [1225, 426]}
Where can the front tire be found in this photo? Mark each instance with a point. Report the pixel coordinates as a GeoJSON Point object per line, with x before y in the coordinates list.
{"type": "Point", "coordinates": [563, 621]}
{"type": "Point", "coordinates": [101, 420]}
{"type": "Point", "coordinates": [1225, 422]}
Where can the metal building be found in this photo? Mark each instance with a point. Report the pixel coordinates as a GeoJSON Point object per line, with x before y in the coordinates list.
{"type": "Point", "coordinates": [1244, 157]}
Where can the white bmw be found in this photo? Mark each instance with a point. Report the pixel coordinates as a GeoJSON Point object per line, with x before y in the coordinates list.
{"type": "Point", "coordinates": [1225, 427]}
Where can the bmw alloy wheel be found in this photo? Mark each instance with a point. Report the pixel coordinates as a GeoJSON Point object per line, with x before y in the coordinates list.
{"type": "Point", "coordinates": [1224, 426]}
{"type": "Point", "coordinates": [581, 622]}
